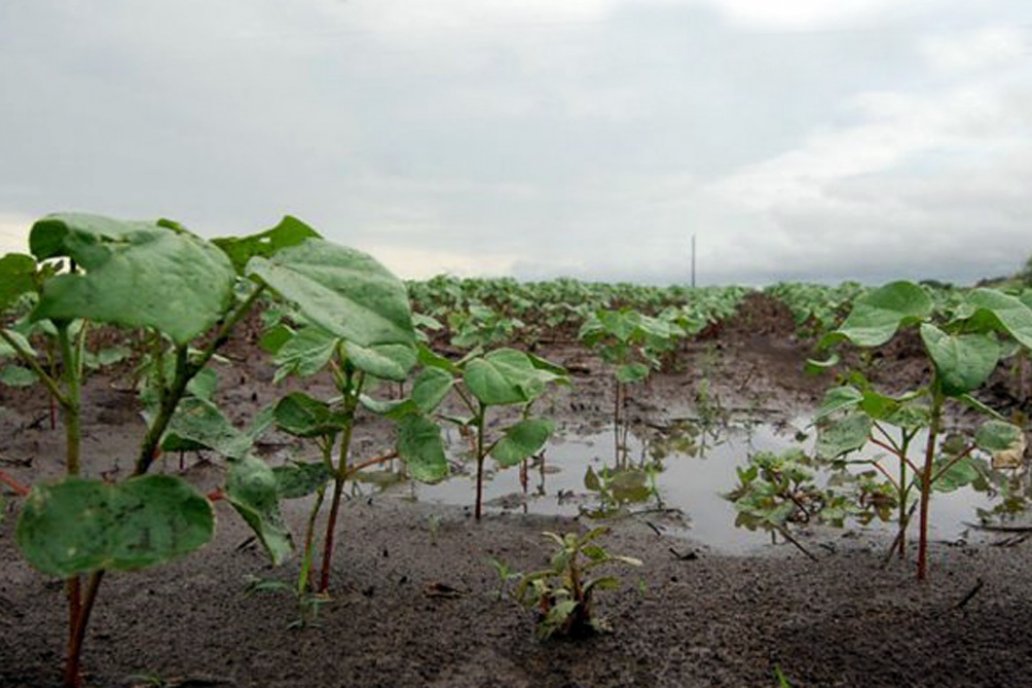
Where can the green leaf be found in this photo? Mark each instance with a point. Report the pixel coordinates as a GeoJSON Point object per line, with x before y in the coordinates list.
{"type": "Point", "coordinates": [304, 416]}
{"type": "Point", "coordinates": [878, 314]}
{"type": "Point", "coordinates": [395, 409]}
{"type": "Point", "coordinates": [1005, 313]}
{"type": "Point", "coordinates": [300, 479]}
{"type": "Point", "coordinates": [17, 276]}
{"type": "Point", "coordinates": [522, 440]}
{"type": "Point", "coordinates": [305, 353]}
{"type": "Point", "coordinates": [385, 361]}
{"type": "Point", "coordinates": [632, 372]}
{"type": "Point", "coordinates": [431, 387]}
{"type": "Point", "coordinates": [76, 525]}
{"type": "Point", "coordinates": [428, 358]}
{"type": "Point", "coordinates": [995, 436]}
{"type": "Point", "coordinates": [962, 473]}
{"type": "Point", "coordinates": [343, 291]}
{"type": "Point", "coordinates": [137, 274]}
{"type": "Point", "coordinates": [17, 376]}
{"type": "Point", "coordinates": [843, 436]}
{"type": "Point", "coordinates": [289, 232]}
{"type": "Point", "coordinates": [505, 376]}
{"type": "Point", "coordinates": [199, 424]}
{"type": "Point", "coordinates": [274, 338]}
{"type": "Point", "coordinates": [962, 362]}
{"type": "Point", "coordinates": [253, 490]}
{"type": "Point", "coordinates": [421, 447]}
{"type": "Point", "coordinates": [839, 398]}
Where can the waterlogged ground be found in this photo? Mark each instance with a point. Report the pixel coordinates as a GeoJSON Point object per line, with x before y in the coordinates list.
{"type": "Point", "coordinates": [417, 604]}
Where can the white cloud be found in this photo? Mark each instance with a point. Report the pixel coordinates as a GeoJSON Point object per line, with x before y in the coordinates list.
{"type": "Point", "coordinates": [983, 48]}
{"type": "Point", "coordinates": [14, 233]}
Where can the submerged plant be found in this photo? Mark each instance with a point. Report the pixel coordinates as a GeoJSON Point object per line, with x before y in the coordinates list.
{"type": "Point", "coordinates": [563, 594]}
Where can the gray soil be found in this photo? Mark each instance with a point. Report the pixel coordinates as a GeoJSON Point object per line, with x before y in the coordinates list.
{"type": "Point", "coordinates": [416, 604]}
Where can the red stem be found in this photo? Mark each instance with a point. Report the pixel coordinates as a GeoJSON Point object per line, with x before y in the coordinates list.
{"type": "Point", "coordinates": [19, 489]}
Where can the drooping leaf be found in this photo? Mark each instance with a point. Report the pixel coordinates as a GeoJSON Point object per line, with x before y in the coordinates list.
{"type": "Point", "coordinates": [421, 447]}
{"type": "Point", "coordinates": [75, 526]}
{"type": "Point", "coordinates": [838, 399]}
{"type": "Point", "coordinates": [289, 232]}
{"type": "Point", "coordinates": [304, 353]}
{"type": "Point", "coordinates": [431, 387]}
{"type": "Point", "coordinates": [17, 376]}
{"type": "Point", "coordinates": [395, 409]}
{"type": "Point", "coordinates": [301, 479]}
{"type": "Point", "coordinates": [304, 416]}
{"type": "Point", "coordinates": [17, 276]}
{"type": "Point", "coordinates": [254, 491]}
{"type": "Point", "coordinates": [962, 362]}
{"type": "Point", "coordinates": [505, 376]}
{"type": "Point", "coordinates": [199, 424]}
{"type": "Point", "coordinates": [385, 361]}
{"type": "Point", "coordinates": [1004, 312]}
{"type": "Point", "coordinates": [137, 274]}
{"type": "Point", "coordinates": [842, 436]}
{"type": "Point", "coordinates": [878, 314]}
{"type": "Point", "coordinates": [343, 291]}
{"type": "Point", "coordinates": [522, 440]}
{"type": "Point", "coordinates": [632, 372]}
{"type": "Point", "coordinates": [996, 436]}
{"type": "Point", "coordinates": [960, 474]}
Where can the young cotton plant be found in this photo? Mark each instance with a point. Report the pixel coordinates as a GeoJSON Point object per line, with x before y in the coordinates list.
{"type": "Point", "coordinates": [182, 295]}
{"type": "Point", "coordinates": [482, 383]}
{"type": "Point", "coordinates": [563, 594]}
{"type": "Point", "coordinates": [963, 347]}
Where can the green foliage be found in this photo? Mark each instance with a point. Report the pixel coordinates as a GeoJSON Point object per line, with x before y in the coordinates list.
{"type": "Point", "coordinates": [78, 526]}
{"type": "Point", "coordinates": [563, 594]}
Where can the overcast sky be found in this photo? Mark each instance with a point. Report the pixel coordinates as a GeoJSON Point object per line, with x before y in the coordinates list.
{"type": "Point", "coordinates": [798, 139]}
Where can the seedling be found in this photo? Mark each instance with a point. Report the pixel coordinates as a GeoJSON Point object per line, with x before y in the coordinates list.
{"type": "Point", "coordinates": [563, 594]}
{"type": "Point", "coordinates": [185, 295]}
{"type": "Point", "coordinates": [963, 346]}
{"type": "Point", "coordinates": [503, 377]}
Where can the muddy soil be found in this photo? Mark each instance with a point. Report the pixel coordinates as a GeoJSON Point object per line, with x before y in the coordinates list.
{"type": "Point", "coordinates": [416, 603]}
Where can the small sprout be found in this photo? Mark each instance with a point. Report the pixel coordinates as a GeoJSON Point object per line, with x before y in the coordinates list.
{"type": "Point", "coordinates": [563, 594]}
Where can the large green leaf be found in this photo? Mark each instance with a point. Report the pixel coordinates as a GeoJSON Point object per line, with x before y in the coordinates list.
{"type": "Point", "coordinates": [199, 424]}
{"type": "Point", "coordinates": [137, 274]}
{"type": "Point", "coordinates": [996, 436]}
{"type": "Point", "coordinates": [289, 232]}
{"type": "Point", "coordinates": [304, 353]}
{"type": "Point", "coordinates": [76, 525]}
{"type": "Point", "coordinates": [17, 276]}
{"type": "Point", "coordinates": [843, 436]}
{"type": "Point", "coordinates": [506, 376]}
{"type": "Point", "coordinates": [878, 314]}
{"type": "Point", "coordinates": [1005, 313]}
{"type": "Point", "coordinates": [304, 416]}
{"type": "Point", "coordinates": [960, 474]}
{"type": "Point", "coordinates": [385, 361]}
{"type": "Point", "coordinates": [301, 479]}
{"type": "Point", "coordinates": [254, 491]}
{"type": "Point", "coordinates": [431, 388]}
{"type": "Point", "coordinates": [421, 447]}
{"type": "Point", "coordinates": [522, 440]}
{"type": "Point", "coordinates": [838, 399]}
{"type": "Point", "coordinates": [962, 362]}
{"type": "Point", "coordinates": [343, 291]}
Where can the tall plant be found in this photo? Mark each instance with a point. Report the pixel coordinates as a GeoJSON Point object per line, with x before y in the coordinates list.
{"type": "Point", "coordinates": [963, 347]}
{"type": "Point", "coordinates": [185, 295]}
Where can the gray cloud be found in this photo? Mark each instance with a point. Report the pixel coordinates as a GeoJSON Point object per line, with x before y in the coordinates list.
{"type": "Point", "coordinates": [800, 140]}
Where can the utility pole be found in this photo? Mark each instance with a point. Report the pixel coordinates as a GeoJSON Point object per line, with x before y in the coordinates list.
{"type": "Point", "coordinates": [693, 261]}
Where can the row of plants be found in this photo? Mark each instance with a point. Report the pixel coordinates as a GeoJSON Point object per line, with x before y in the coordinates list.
{"type": "Point", "coordinates": [177, 298]}
{"type": "Point", "coordinates": [334, 311]}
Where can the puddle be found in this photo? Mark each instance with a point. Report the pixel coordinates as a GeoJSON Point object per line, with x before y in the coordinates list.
{"type": "Point", "coordinates": [673, 475]}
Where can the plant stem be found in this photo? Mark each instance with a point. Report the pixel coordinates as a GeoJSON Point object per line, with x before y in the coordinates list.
{"type": "Point", "coordinates": [352, 389]}
{"type": "Point", "coordinates": [26, 356]}
{"type": "Point", "coordinates": [70, 412]}
{"type": "Point", "coordinates": [480, 460]}
{"type": "Point", "coordinates": [78, 635]}
{"type": "Point", "coordinates": [926, 482]}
